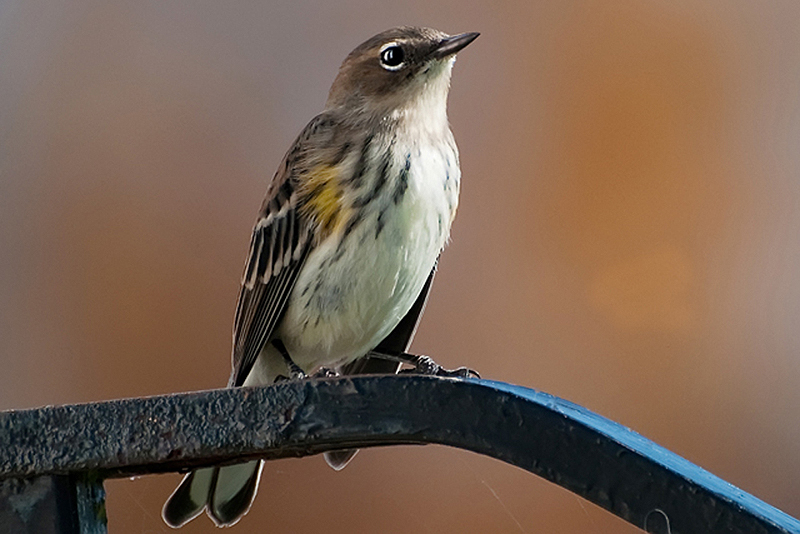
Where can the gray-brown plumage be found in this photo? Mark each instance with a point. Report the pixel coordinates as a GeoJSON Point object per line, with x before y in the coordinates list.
{"type": "Point", "coordinates": [345, 246]}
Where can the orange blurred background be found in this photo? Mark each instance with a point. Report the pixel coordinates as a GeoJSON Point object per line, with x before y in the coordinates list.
{"type": "Point", "coordinates": [628, 237]}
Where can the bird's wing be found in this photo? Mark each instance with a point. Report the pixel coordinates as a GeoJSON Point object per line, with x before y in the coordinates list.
{"type": "Point", "coordinates": [281, 240]}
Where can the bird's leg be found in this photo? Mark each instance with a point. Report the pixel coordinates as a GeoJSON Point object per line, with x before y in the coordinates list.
{"type": "Point", "coordinates": [295, 370]}
{"type": "Point", "coordinates": [425, 365]}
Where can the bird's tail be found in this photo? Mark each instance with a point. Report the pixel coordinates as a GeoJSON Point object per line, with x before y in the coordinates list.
{"type": "Point", "coordinates": [226, 493]}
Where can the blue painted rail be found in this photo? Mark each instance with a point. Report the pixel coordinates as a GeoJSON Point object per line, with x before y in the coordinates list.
{"type": "Point", "coordinates": [77, 446]}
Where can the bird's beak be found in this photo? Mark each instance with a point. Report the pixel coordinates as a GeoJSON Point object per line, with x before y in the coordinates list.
{"type": "Point", "coordinates": [451, 45]}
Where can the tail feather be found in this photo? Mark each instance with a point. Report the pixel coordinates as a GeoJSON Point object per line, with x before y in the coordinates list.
{"type": "Point", "coordinates": [234, 492]}
{"type": "Point", "coordinates": [338, 460]}
{"type": "Point", "coordinates": [189, 498]}
{"type": "Point", "coordinates": [226, 493]}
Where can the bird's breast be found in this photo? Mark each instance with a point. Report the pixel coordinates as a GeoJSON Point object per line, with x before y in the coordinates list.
{"type": "Point", "coordinates": [360, 281]}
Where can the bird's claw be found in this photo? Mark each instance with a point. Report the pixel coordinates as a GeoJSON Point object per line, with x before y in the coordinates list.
{"type": "Point", "coordinates": [325, 372]}
{"type": "Point", "coordinates": [425, 365]}
{"type": "Point", "coordinates": [459, 372]}
{"type": "Point", "coordinates": [294, 374]}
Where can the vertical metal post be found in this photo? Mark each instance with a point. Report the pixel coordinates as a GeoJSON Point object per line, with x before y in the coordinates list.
{"type": "Point", "coordinates": [53, 505]}
{"type": "Point", "coordinates": [90, 501]}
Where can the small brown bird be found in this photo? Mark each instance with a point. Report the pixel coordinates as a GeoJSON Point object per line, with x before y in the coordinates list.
{"type": "Point", "coordinates": [345, 246]}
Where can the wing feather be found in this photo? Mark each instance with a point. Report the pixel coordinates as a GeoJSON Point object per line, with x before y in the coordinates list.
{"type": "Point", "coordinates": [262, 303]}
{"type": "Point", "coordinates": [279, 245]}
{"type": "Point", "coordinates": [282, 236]}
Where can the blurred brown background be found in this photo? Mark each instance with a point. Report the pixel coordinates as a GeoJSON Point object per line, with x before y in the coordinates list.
{"type": "Point", "coordinates": [628, 237]}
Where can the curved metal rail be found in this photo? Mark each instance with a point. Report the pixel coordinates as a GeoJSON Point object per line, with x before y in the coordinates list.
{"type": "Point", "coordinates": [600, 460]}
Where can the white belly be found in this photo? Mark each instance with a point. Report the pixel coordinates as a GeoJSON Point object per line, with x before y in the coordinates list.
{"type": "Point", "coordinates": [348, 298]}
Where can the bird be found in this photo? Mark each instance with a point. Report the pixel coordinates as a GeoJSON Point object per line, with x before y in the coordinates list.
{"type": "Point", "coordinates": [346, 243]}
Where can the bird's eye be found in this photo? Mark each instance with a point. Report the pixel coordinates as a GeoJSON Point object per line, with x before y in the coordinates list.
{"type": "Point", "coordinates": [392, 57]}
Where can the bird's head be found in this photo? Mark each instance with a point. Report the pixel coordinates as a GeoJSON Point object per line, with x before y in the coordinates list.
{"type": "Point", "coordinates": [398, 71]}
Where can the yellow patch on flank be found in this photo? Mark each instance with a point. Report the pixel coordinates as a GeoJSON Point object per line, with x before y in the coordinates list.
{"type": "Point", "coordinates": [323, 198]}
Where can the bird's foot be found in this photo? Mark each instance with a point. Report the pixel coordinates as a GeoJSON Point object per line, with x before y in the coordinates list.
{"type": "Point", "coordinates": [425, 365]}
{"type": "Point", "coordinates": [295, 372]}
{"type": "Point", "coordinates": [325, 372]}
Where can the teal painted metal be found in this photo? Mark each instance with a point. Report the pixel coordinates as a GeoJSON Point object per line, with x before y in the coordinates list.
{"type": "Point", "coordinates": [583, 452]}
{"type": "Point", "coordinates": [54, 504]}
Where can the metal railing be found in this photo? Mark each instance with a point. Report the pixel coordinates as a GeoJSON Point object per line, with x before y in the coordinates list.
{"type": "Point", "coordinates": [53, 459]}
